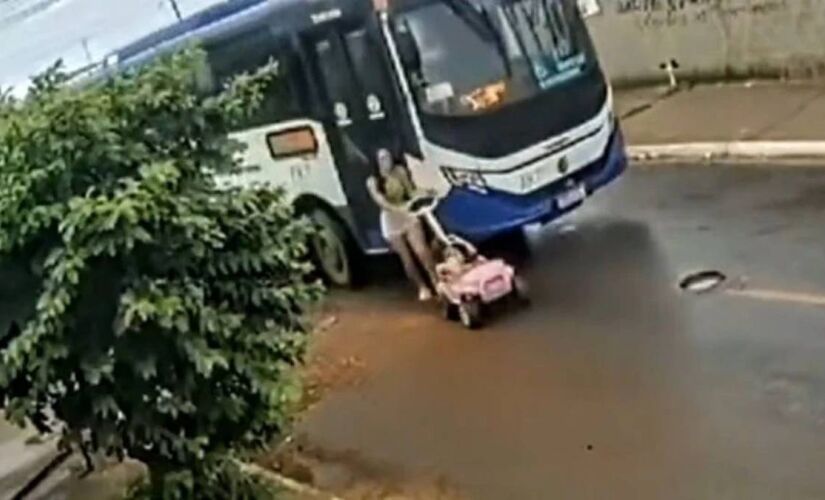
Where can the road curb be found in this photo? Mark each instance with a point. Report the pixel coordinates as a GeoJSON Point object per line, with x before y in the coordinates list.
{"type": "Point", "coordinates": [25, 461]}
{"type": "Point", "coordinates": [286, 482]}
{"type": "Point", "coordinates": [745, 150]}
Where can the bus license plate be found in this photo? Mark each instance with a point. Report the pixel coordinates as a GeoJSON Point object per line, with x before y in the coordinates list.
{"type": "Point", "coordinates": [571, 197]}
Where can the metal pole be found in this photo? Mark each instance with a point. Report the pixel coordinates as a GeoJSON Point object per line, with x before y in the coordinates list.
{"type": "Point", "coordinates": [85, 43]}
{"type": "Point", "coordinates": [174, 4]}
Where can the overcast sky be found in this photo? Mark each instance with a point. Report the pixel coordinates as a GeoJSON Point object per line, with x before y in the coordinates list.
{"type": "Point", "coordinates": [35, 33]}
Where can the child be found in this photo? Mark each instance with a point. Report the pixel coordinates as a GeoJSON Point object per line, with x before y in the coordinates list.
{"type": "Point", "coordinates": [458, 258]}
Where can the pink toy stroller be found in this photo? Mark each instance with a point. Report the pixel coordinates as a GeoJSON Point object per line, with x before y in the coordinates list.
{"type": "Point", "coordinates": [467, 282]}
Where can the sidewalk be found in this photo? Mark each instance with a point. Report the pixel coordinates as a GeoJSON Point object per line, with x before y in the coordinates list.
{"type": "Point", "coordinates": [20, 459]}
{"type": "Point", "coordinates": [748, 120]}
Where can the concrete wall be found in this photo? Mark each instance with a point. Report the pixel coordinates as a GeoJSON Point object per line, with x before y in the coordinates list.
{"type": "Point", "coordinates": [710, 38]}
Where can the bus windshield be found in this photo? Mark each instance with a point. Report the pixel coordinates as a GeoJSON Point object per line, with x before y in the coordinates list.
{"type": "Point", "coordinates": [473, 59]}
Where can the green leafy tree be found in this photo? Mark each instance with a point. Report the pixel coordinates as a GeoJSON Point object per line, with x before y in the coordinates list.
{"type": "Point", "coordinates": [168, 311]}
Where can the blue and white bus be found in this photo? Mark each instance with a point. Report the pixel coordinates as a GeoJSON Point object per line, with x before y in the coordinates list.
{"type": "Point", "coordinates": [499, 105]}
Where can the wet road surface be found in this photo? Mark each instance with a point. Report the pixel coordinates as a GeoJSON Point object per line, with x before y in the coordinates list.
{"type": "Point", "coordinates": [614, 384]}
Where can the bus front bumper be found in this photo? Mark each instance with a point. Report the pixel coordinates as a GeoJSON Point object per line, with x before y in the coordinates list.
{"type": "Point", "coordinates": [481, 216]}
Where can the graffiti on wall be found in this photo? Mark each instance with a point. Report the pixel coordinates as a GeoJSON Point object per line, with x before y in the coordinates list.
{"type": "Point", "coordinates": [674, 13]}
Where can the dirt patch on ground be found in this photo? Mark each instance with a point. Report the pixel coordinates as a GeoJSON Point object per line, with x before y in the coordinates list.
{"type": "Point", "coordinates": [324, 374]}
{"type": "Point", "coordinates": [344, 473]}
{"type": "Point", "coordinates": [348, 475]}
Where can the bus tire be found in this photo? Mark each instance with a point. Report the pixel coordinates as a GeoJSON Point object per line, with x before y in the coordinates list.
{"type": "Point", "coordinates": [334, 251]}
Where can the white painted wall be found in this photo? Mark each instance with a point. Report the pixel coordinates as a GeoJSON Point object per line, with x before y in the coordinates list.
{"type": "Point", "coordinates": [710, 38]}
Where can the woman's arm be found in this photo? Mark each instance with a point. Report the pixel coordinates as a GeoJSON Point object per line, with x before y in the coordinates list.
{"type": "Point", "coordinates": [378, 197]}
{"type": "Point", "coordinates": [410, 186]}
{"type": "Point", "coordinates": [404, 176]}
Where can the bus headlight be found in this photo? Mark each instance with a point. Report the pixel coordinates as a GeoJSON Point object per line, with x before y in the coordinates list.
{"type": "Point", "coordinates": [468, 179]}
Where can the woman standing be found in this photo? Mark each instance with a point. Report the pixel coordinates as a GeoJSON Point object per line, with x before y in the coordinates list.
{"type": "Point", "coordinates": [392, 189]}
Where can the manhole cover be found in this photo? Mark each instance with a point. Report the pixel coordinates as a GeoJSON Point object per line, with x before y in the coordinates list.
{"type": "Point", "coordinates": [702, 281]}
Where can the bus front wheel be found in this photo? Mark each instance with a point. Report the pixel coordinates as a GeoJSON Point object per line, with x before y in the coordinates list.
{"type": "Point", "coordinates": [333, 250]}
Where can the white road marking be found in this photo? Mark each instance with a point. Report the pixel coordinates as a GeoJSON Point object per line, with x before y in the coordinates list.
{"type": "Point", "coordinates": [812, 299]}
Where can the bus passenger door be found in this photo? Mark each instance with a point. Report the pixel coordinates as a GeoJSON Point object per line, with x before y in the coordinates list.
{"type": "Point", "coordinates": [357, 104]}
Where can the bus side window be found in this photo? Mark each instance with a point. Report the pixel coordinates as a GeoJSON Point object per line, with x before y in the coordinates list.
{"type": "Point", "coordinates": [337, 77]}
{"type": "Point", "coordinates": [366, 60]}
{"type": "Point", "coordinates": [379, 97]}
{"type": "Point", "coordinates": [250, 51]}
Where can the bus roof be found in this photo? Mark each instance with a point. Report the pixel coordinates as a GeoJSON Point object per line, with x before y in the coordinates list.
{"type": "Point", "coordinates": [227, 16]}
{"type": "Point", "coordinates": [197, 21]}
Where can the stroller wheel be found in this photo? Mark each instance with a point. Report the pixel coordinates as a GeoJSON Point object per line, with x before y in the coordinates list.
{"type": "Point", "coordinates": [470, 314]}
{"type": "Point", "coordinates": [449, 310]}
{"type": "Point", "coordinates": [521, 290]}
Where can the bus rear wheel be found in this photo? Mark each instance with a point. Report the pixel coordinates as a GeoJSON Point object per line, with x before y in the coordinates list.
{"type": "Point", "coordinates": [333, 250]}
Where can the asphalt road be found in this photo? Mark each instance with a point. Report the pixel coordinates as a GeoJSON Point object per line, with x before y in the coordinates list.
{"type": "Point", "coordinates": [614, 384]}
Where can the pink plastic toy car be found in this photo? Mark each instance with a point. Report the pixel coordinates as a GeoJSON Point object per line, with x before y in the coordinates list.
{"type": "Point", "coordinates": [467, 282]}
{"type": "Point", "coordinates": [466, 289]}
